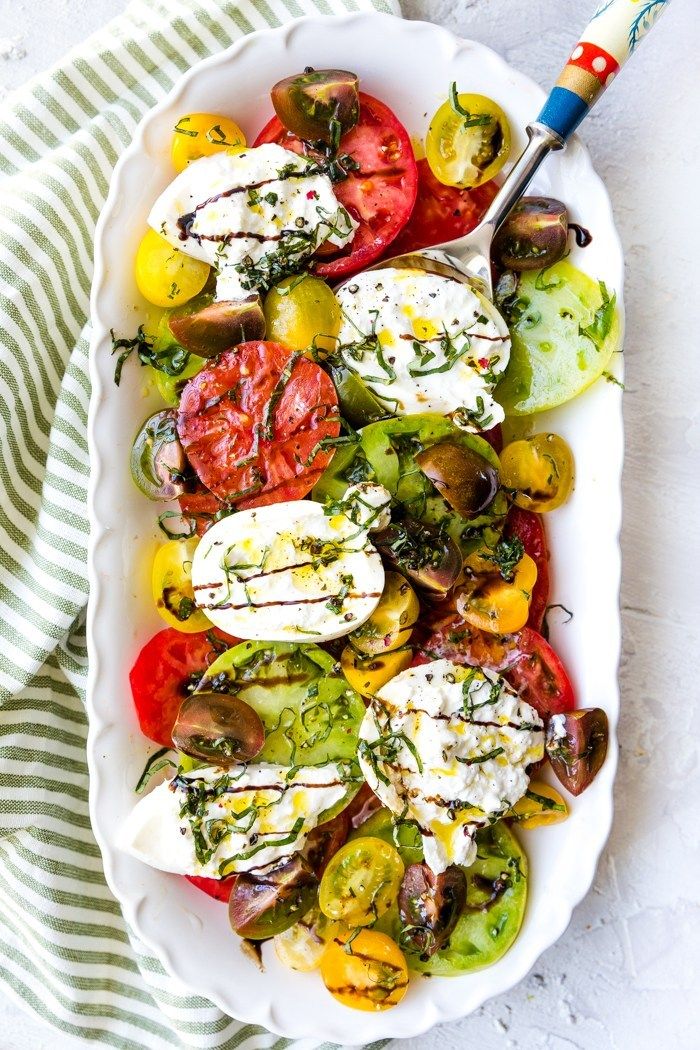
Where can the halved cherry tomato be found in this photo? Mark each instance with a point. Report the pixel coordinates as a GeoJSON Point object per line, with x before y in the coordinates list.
{"type": "Point", "coordinates": [361, 882]}
{"type": "Point", "coordinates": [379, 195]}
{"type": "Point", "coordinates": [368, 972]}
{"type": "Point", "coordinates": [529, 529]}
{"type": "Point", "coordinates": [202, 134]}
{"type": "Point", "coordinates": [390, 625]}
{"type": "Point", "coordinates": [302, 313]}
{"type": "Point", "coordinates": [166, 671]}
{"type": "Point", "coordinates": [172, 586]}
{"type": "Point", "coordinates": [219, 889]}
{"type": "Point", "coordinates": [539, 471]}
{"type": "Point", "coordinates": [496, 605]}
{"type": "Point", "coordinates": [367, 674]}
{"type": "Point", "coordinates": [252, 422]}
{"type": "Point", "coordinates": [468, 140]}
{"type": "Point", "coordinates": [441, 213]}
{"type": "Point", "coordinates": [166, 276]}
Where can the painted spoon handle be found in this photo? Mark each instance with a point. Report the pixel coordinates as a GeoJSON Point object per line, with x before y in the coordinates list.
{"type": "Point", "coordinates": [611, 36]}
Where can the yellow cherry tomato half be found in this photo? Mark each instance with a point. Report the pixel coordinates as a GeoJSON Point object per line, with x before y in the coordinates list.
{"type": "Point", "coordinates": [366, 971]}
{"type": "Point", "coordinates": [172, 586]}
{"type": "Point", "coordinates": [301, 947]}
{"type": "Point", "coordinates": [540, 806]}
{"type": "Point", "coordinates": [500, 606]}
{"type": "Point", "coordinates": [468, 140]}
{"type": "Point", "coordinates": [367, 674]}
{"type": "Point", "coordinates": [302, 313]}
{"type": "Point", "coordinates": [203, 134]}
{"type": "Point", "coordinates": [361, 882]}
{"type": "Point", "coordinates": [165, 275]}
{"type": "Point", "coordinates": [390, 625]}
{"type": "Point", "coordinates": [539, 470]}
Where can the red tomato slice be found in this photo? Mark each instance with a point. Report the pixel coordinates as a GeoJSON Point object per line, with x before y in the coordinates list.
{"type": "Point", "coordinates": [529, 528]}
{"type": "Point", "coordinates": [442, 213]}
{"type": "Point", "coordinates": [219, 889]}
{"type": "Point", "coordinates": [539, 676]}
{"type": "Point", "coordinates": [525, 659]}
{"type": "Point", "coordinates": [380, 195]}
{"type": "Point", "coordinates": [164, 669]}
{"type": "Point", "coordinates": [200, 507]}
{"type": "Point", "coordinates": [250, 424]}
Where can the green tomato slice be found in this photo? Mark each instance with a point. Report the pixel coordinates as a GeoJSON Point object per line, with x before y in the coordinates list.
{"type": "Point", "coordinates": [496, 897]}
{"type": "Point", "coordinates": [385, 454]}
{"type": "Point", "coordinates": [565, 328]}
{"type": "Point", "coordinates": [310, 714]}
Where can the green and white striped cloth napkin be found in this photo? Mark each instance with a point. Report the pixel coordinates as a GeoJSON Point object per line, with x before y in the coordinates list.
{"type": "Point", "coordinates": [65, 951]}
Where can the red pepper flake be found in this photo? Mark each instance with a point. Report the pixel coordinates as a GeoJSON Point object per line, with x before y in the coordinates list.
{"type": "Point", "coordinates": [311, 195]}
{"type": "Point", "coordinates": [483, 362]}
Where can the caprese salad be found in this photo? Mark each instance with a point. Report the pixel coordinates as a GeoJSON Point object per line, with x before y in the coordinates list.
{"type": "Point", "coordinates": [354, 694]}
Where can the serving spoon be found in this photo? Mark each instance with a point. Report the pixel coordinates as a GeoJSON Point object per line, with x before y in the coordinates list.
{"type": "Point", "coordinates": [609, 39]}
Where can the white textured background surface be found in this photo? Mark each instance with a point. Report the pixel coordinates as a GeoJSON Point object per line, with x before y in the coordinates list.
{"type": "Point", "coordinates": [626, 975]}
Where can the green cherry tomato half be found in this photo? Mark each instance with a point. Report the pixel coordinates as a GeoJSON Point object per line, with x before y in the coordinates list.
{"type": "Point", "coordinates": [565, 328]}
{"type": "Point", "coordinates": [361, 882]}
{"type": "Point", "coordinates": [468, 141]}
{"type": "Point", "coordinates": [302, 313]}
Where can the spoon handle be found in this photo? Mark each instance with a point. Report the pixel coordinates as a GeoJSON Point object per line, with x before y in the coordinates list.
{"type": "Point", "coordinates": [609, 39]}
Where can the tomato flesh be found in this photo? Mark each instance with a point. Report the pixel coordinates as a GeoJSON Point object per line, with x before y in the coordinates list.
{"type": "Point", "coordinates": [219, 889]}
{"type": "Point", "coordinates": [251, 424]}
{"type": "Point", "coordinates": [165, 671]}
{"type": "Point", "coordinates": [441, 213]}
{"type": "Point", "coordinates": [529, 529]}
{"type": "Point", "coordinates": [538, 675]}
{"type": "Point", "coordinates": [379, 195]}
{"type": "Point", "coordinates": [525, 659]}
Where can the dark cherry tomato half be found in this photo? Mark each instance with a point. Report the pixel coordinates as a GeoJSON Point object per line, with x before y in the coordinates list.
{"type": "Point", "coordinates": [325, 840]}
{"type": "Point", "coordinates": [265, 903]}
{"type": "Point", "coordinates": [529, 529]}
{"type": "Point", "coordinates": [165, 673]}
{"type": "Point", "coordinates": [218, 729]}
{"type": "Point", "coordinates": [576, 745]}
{"type": "Point", "coordinates": [252, 421]}
{"type": "Point", "coordinates": [379, 193]}
{"type": "Point", "coordinates": [429, 907]}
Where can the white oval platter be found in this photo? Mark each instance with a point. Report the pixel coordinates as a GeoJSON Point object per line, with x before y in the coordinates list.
{"type": "Point", "coordinates": [409, 65]}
